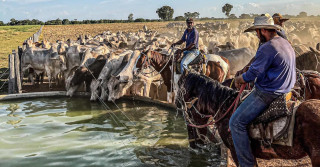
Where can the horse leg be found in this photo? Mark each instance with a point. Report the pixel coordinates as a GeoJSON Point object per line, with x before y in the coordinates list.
{"type": "Point", "coordinates": [192, 137]}
{"type": "Point", "coordinates": [315, 160]}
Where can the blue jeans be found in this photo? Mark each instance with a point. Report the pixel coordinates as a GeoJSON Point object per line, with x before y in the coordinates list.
{"type": "Point", "coordinates": [189, 55]}
{"type": "Point", "coordinates": [249, 109]}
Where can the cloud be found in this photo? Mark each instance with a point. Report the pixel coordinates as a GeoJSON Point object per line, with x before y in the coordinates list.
{"type": "Point", "coordinates": [255, 5]}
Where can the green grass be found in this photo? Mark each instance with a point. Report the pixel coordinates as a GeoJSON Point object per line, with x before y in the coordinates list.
{"type": "Point", "coordinates": [11, 37]}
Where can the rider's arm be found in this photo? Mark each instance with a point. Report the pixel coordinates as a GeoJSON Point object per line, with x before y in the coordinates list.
{"type": "Point", "coordinates": [260, 64]}
{"type": "Point", "coordinates": [179, 42]}
{"type": "Point", "coordinates": [188, 47]}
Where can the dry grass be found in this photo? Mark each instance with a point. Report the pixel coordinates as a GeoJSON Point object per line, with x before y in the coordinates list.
{"type": "Point", "coordinates": [64, 32]}
{"type": "Point", "coordinates": [11, 37]}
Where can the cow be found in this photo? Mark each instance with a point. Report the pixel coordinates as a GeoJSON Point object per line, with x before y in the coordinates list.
{"type": "Point", "coordinates": [111, 66]}
{"type": "Point", "coordinates": [122, 79]}
{"type": "Point", "coordinates": [43, 60]}
{"type": "Point", "coordinates": [238, 58]}
{"type": "Point", "coordinates": [86, 74]}
{"type": "Point", "coordinates": [309, 60]}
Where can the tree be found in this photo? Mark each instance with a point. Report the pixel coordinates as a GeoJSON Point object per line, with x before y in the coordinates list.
{"type": "Point", "coordinates": [227, 9]}
{"type": "Point", "coordinates": [140, 20]}
{"type": "Point", "coordinates": [232, 16]}
{"type": "Point", "coordinates": [179, 18]}
{"type": "Point", "coordinates": [192, 15]}
{"type": "Point", "coordinates": [58, 21]}
{"type": "Point", "coordinates": [165, 12]}
{"type": "Point", "coordinates": [13, 21]}
{"type": "Point", "coordinates": [244, 16]}
{"type": "Point", "coordinates": [303, 14]}
{"type": "Point", "coordinates": [1, 23]}
{"type": "Point", "coordinates": [130, 17]}
{"type": "Point", "coordinates": [65, 21]}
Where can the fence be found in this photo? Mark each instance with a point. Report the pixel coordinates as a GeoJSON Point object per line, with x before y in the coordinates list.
{"type": "Point", "coordinates": [15, 74]}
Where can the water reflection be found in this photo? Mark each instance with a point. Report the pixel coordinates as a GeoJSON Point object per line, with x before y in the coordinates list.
{"type": "Point", "coordinates": [76, 132]}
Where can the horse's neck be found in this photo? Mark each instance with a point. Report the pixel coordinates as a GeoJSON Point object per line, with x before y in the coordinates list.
{"type": "Point", "coordinates": [158, 61]}
{"type": "Point", "coordinates": [224, 99]}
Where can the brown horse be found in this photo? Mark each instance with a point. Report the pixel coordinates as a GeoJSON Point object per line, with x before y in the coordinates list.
{"type": "Point", "coordinates": [214, 99]}
{"type": "Point", "coordinates": [162, 63]}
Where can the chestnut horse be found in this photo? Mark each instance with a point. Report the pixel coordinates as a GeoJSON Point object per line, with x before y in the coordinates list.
{"type": "Point", "coordinates": [162, 63]}
{"type": "Point", "coordinates": [214, 99]}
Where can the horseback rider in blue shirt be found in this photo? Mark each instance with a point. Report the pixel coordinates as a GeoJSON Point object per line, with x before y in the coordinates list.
{"type": "Point", "coordinates": [191, 51]}
{"type": "Point", "coordinates": [279, 20]}
{"type": "Point", "coordinates": [273, 71]}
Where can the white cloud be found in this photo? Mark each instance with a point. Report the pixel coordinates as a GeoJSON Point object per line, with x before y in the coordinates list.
{"type": "Point", "coordinates": [254, 5]}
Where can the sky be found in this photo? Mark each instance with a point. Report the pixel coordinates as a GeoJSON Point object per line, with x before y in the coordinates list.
{"type": "Point", "coordinates": [120, 9]}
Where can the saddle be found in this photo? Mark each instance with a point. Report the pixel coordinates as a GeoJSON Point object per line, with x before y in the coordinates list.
{"type": "Point", "coordinates": [198, 64]}
{"type": "Point", "coordinates": [275, 125]}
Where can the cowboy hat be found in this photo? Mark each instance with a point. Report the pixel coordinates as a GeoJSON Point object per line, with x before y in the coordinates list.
{"type": "Point", "coordinates": [263, 22]}
{"type": "Point", "coordinates": [278, 15]}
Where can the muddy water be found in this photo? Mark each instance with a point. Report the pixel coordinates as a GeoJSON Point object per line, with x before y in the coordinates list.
{"type": "Point", "coordinates": [76, 132]}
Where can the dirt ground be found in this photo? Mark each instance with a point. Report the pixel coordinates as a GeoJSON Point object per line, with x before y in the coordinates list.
{"type": "Point", "coordinates": [304, 162]}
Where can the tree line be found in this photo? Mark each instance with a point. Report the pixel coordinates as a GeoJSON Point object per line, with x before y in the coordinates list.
{"type": "Point", "coordinates": [165, 13]}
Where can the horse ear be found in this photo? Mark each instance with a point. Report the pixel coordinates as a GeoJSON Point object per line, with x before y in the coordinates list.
{"type": "Point", "coordinates": [313, 50]}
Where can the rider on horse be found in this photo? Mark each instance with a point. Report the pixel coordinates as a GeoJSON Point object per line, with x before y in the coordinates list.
{"type": "Point", "coordinates": [278, 20]}
{"type": "Point", "coordinates": [273, 70]}
{"type": "Point", "coordinates": [191, 51]}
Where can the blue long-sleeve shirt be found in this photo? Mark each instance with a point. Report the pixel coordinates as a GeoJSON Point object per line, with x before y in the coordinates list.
{"type": "Point", "coordinates": [191, 37]}
{"type": "Point", "coordinates": [273, 67]}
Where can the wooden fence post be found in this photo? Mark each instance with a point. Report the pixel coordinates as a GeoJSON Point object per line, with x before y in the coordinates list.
{"type": "Point", "coordinates": [17, 69]}
{"type": "Point", "coordinates": [12, 79]}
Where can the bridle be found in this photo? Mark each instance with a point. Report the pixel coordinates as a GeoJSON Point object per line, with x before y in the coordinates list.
{"type": "Point", "coordinates": [190, 104]}
{"type": "Point", "coordinates": [147, 63]}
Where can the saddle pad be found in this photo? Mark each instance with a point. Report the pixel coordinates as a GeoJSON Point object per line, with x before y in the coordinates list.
{"type": "Point", "coordinates": [278, 108]}
{"type": "Point", "coordinates": [198, 60]}
{"type": "Point", "coordinates": [279, 131]}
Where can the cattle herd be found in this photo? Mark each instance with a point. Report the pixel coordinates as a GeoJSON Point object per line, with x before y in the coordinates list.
{"type": "Point", "coordinates": [110, 65]}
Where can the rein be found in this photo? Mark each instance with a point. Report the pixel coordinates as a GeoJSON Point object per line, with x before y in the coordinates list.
{"type": "Point", "coordinates": [234, 105]}
{"type": "Point", "coordinates": [143, 73]}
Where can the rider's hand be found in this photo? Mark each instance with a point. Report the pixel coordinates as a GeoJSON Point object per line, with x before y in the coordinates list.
{"type": "Point", "coordinates": [238, 81]}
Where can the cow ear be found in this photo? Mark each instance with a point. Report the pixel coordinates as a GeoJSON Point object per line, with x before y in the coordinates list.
{"type": "Point", "coordinates": [318, 47]}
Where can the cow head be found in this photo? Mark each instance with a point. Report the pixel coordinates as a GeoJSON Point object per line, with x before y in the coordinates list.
{"type": "Point", "coordinates": [70, 88]}
{"type": "Point", "coordinates": [118, 86]}
{"type": "Point", "coordinates": [62, 48]}
{"type": "Point", "coordinates": [79, 76]}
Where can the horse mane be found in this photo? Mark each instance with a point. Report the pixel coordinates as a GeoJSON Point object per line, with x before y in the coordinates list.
{"type": "Point", "coordinates": [159, 58]}
{"type": "Point", "coordinates": [212, 95]}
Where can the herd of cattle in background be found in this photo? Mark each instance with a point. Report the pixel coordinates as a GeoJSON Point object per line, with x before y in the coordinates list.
{"type": "Point", "coordinates": [107, 64]}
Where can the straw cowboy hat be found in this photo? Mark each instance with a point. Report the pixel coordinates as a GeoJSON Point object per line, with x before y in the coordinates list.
{"type": "Point", "coordinates": [263, 22]}
{"type": "Point", "coordinates": [278, 15]}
